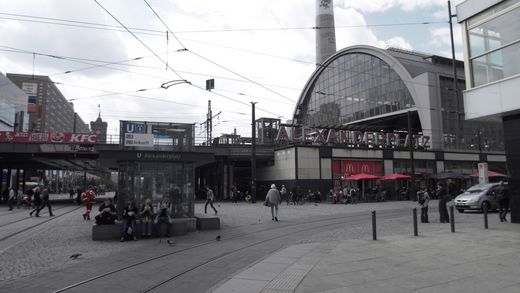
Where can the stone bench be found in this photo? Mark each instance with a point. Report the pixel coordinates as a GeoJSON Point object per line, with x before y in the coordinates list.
{"type": "Point", "coordinates": [179, 227]}
{"type": "Point", "coordinates": [106, 232]}
{"type": "Point", "coordinates": [205, 222]}
{"type": "Point", "coordinates": [190, 222]}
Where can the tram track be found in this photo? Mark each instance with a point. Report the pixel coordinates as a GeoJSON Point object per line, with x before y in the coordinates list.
{"type": "Point", "coordinates": [37, 225]}
{"type": "Point", "coordinates": [307, 226]}
{"type": "Point", "coordinates": [25, 218]}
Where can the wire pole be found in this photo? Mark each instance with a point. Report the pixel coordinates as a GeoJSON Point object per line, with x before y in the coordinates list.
{"type": "Point", "coordinates": [253, 153]}
{"type": "Point", "coordinates": [455, 79]}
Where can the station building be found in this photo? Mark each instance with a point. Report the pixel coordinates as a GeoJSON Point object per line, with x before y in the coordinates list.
{"type": "Point", "coordinates": [365, 109]}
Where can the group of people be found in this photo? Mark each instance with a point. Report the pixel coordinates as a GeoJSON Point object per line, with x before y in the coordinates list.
{"type": "Point", "coordinates": [347, 195]}
{"type": "Point", "coordinates": [131, 213]}
{"type": "Point", "coordinates": [40, 200]}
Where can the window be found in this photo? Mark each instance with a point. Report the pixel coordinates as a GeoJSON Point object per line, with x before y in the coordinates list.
{"type": "Point", "coordinates": [494, 45]}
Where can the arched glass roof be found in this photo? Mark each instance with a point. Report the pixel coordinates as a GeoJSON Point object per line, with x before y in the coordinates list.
{"type": "Point", "coordinates": [352, 87]}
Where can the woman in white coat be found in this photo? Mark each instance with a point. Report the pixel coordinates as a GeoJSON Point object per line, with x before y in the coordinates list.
{"type": "Point", "coordinates": [273, 199]}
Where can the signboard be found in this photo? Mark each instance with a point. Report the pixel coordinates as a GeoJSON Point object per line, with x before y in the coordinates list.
{"type": "Point", "coordinates": [49, 137]}
{"type": "Point", "coordinates": [139, 139]}
{"type": "Point", "coordinates": [483, 177]}
{"type": "Point", "coordinates": [345, 168]}
{"type": "Point", "coordinates": [308, 135]}
{"type": "Point", "coordinates": [30, 88]}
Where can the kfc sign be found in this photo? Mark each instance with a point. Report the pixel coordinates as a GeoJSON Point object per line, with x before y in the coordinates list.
{"type": "Point", "coordinates": [49, 137]}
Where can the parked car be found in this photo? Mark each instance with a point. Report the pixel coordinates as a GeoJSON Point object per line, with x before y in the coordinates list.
{"type": "Point", "coordinates": [477, 197]}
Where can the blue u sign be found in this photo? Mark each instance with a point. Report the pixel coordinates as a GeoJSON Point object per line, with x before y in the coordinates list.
{"type": "Point", "coordinates": [135, 128]}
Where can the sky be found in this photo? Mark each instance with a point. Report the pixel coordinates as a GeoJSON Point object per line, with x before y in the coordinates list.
{"type": "Point", "coordinates": [113, 56]}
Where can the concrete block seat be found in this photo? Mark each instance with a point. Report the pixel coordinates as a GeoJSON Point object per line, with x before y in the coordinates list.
{"type": "Point", "coordinates": [178, 227]}
{"type": "Point", "coordinates": [107, 232]}
{"type": "Point", "coordinates": [205, 222]}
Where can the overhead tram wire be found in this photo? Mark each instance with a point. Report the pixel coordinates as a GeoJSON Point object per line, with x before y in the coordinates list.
{"type": "Point", "coordinates": [213, 62]}
{"type": "Point", "coordinates": [75, 59]}
{"type": "Point", "coordinates": [143, 43]}
{"type": "Point", "coordinates": [167, 65]}
{"type": "Point", "coordinates": [100, 26]}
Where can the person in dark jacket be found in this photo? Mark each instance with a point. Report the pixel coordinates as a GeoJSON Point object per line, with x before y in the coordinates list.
{"type": "Point", "coordinates": [423, 199]}
{"type": "Point", "coordinates": [45, 203]}
{"type": "Point", "coordinates": [107, 213]}
{"type": "Point", "coordinates": [130, 213]}
{"type": "Point", "coordinates": [502, 198]}
{"type": "Point", "coordinates": [442, 195]}
{"type": "Point", "coordinates": [37, 200]}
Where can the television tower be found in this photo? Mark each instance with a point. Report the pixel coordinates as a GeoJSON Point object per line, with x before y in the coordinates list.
{"type": "Point", "coordinates": [325, 32]}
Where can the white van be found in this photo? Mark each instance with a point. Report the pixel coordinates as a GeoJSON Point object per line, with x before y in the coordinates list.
{"type": "Point", "coordinates": [476, 197]}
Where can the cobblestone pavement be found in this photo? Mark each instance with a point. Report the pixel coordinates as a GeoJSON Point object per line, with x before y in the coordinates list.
{"type": "Point", "coordinates": [50, 246]}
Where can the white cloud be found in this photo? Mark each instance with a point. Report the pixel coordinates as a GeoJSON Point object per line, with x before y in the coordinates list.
{"type": "Point", "coordinates": [399, 42]}
{"type": "Point", "coordinates": [384, 5]}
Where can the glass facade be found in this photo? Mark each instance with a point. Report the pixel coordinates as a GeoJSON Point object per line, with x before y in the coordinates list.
{"type": "Point", "coordinates": [158, 180]}
{"type": "Point", "coordinates": [473, 135]}
{"type": "Point", "coordinates": [494, 43]}
{"type": "Point", "coordinates": [354, 86]}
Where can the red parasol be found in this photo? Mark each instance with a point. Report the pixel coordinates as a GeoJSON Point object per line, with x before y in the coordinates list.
{"type": "Point", "coordinates": [490, 174]}
{"type": "Point", "coordinates": [396, 176]}
{"type": "Point", "coordinates": [362, 176]}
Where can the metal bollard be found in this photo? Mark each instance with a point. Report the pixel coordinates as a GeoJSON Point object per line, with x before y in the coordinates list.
{"type": "Point", "coordinates": [374, 232]}
{"type": "Point", "coordinates": [452, 218]}
{"type": "Point", "coordinates": [485, 212]}
{"type": "Point", "coordinates": [415, 232]}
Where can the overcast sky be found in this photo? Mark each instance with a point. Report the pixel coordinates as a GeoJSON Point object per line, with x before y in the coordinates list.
{"type": "Point", "coordinates": [256, 50]}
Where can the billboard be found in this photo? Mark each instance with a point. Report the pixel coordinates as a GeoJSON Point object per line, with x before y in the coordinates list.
{"type": "Point", "coordinates": [180, 136]}
{"type": "Point", "coordinates": [49, 137]}
{"type": "Point", "coordinates": [139, 139]}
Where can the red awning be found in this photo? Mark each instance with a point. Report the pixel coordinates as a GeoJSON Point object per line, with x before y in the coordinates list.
{"type": "Point", "coordinates": [362, 176]}
{"type": "Point", "coordinates": [396, 176]}
{"type": "Point", "coordinates": [490, 174]}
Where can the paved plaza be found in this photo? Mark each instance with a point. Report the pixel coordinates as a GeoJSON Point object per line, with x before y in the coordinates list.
{"type": "Point", "coordinates": [337, 258]}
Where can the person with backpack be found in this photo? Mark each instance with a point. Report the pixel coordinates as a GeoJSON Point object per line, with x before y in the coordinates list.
{"type": "Point", "coordinates": [423, 198]}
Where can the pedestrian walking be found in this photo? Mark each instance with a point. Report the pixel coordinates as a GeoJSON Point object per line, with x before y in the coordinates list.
{"type": "Point", "coordinates": [11, 199]}
{"type": "Point", "coordinates": [71, 193]}
{"type": "Point", "coordinates": [423, 199]}
{"type": "Point", "coordinates": [284, 194]}
{"type": "Point", "coordinates": [210, 198]}
{"type": "Point", "coordinates": [45, 203]}
{"type": "Point", "coordinates": [502, 198]}
{"type": "Point", "coordinates": [78, 196]}
{"type": "Point", "coordinates": [37, 201]}
{"type": "Point", "coordinates": [273, 199]}
{"type": "Point", "coordinates": [234, 194]}
{"type": "Point", "coordinates": [442, 195]}
{"type": "Point", "coordinates": [88, 198]}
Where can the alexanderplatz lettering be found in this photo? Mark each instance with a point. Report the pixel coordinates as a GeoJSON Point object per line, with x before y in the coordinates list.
{"type": "Point", "coordinates": [308, 135]}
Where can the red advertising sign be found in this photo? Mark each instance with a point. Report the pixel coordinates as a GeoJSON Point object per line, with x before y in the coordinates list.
{"type": "Point", "coordinates": [352, 167]}
{"type": "Point", "coordinates": [49, 137]}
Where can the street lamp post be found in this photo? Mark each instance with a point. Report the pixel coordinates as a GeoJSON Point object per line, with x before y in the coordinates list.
{"type": "Point", "coordinates": [412, 162]}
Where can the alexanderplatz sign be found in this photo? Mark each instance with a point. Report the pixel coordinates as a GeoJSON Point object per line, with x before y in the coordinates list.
{"type": "Point", "coordinates": [320, 136]}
